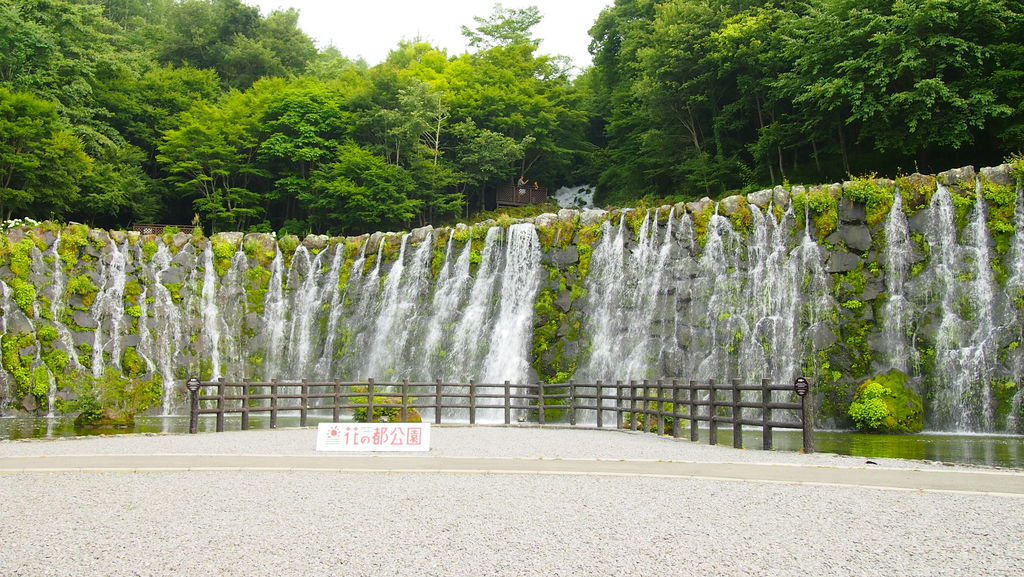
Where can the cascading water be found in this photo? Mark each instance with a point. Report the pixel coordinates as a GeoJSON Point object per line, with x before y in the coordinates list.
{"type": "Point", "coordinates": [327, 362]}
{"type": "Point", "coordinates": [108, 310]}
{"type": "Point", "coordinates": [58, 302]}
{"type": "Point", "coordinates": [166, 326]}
{"type": "Point", "coordinates": [508, 352]}
{"type": "Point", "coordinates": [719, 284]}
{"type": "Point", "coordinates": [6, 391]}
{"type": "Point", "coordinates": [898, 312]}
{"type": "Point", "coordinates": [625, 288]}
{"type": "Point", "coordinates": [669, 294]}
{"type": "Point", "coordinates": [452, 285]}
{"type": "Point", "coordinates": [965, 342]}
{"type": "Point", "coordinates": [1015, 296]}
{"type": "Point", "coordinates": [274, 319]}
{"type": "Point", "coordinates": [771, 347]}
{"type": "Point", "coordinates": [467, 348]}
{"type": "Point", "coordinates": [402, 297]}
{"type": "Point", "coordinates": [210, 314]}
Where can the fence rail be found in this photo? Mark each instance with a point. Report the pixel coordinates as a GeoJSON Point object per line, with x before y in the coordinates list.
{"type": "Point", "coordinates": [662, 407]}
{"type": "Point", "coordinates": [159, 228]}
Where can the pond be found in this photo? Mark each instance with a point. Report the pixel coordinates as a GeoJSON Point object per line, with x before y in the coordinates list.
{"type": "Point", "coordinates": [992, 450]}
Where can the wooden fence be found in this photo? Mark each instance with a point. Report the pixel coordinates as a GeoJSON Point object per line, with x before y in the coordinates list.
{"type": "Point", "coordinates": [660, 407]}
{"type": "Point", "coordinates": [520, 195]}
{"type": "Point", "coordinates": [159, 228]}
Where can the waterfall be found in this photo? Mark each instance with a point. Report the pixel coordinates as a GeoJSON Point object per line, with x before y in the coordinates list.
{"type": "Point", "coordinates": [231, 304]}
{"type": "Point", "coordinates": [108, 309]}
{"type": "Point", "coordinates": [897, 312]}
{"type": "Point", "coordinates": [58, 302]}
{"type": "Point", "coordinates": [508, 351]}
{"type": "Point", "coordinates": [307, 283]}
{"type": "Point", "coordinates": [624, 288]}
{"type": "Point", "coordinates": [605, 293]}
{"type": "Point", "coordinates": [720, 285]}
{"type": "Point", "coordinates": [1015, 294]}
{"type": "Point", "coordinates": [452, 285]}
{"type": "Point", "coordinates": [381, 362]}
{"type": "Point", "coordinates": [210, 314]}
{"type": "Point", "coordinates": [166, 326]}
{"type": "Point", "coordinates": [771, 342]}
{"type": "Point", "coordinates": [468, 348]}
{"type": "Point", "coordinates": [274, 318]}
{"type": "Point", "coordinates": [333, 297]}
{"type": "Point", "coordinates": [716, 291]}
{"type": "Point", "coordinates": [6, 388]}
{"type": "Point", "coordinates": [326, 364]}
{"type": "Point", "coordinates": [965, 342]}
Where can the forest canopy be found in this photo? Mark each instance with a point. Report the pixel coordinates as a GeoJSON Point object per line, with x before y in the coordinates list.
{"type": "Point", "coordinates": [115, 112]}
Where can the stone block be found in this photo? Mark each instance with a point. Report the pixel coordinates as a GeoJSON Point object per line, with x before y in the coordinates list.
{"type": "Point", "coordinates": [841, 262]}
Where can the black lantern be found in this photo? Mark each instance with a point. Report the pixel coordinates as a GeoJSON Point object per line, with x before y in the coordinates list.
{"type": "Point", "coordinates": [192, 384]}
{"type": "Point", "coordinates": [801, 386]}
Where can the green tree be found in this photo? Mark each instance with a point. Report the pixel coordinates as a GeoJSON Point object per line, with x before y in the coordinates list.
{"type": "Point", "coordinates": [359, 192]}
{"type": "Point", "coordinates": [301, 127]}
{"type": "Point", "coordinates": [508, 89]}
{"type": "Point", "coordinates": [907, 79]}
{"type": "Point", "coordinates": [40, 163]}
{"type": "Point", "coordinates": [210, 157]}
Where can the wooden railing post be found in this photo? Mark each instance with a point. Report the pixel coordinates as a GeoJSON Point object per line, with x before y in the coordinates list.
{"type": "Point", "coordinates": [273, 404]}
{"type": "Point", "coordinates": [245, 404]}
{"type": "Point", "coordinates": [540, 403]}
{"type": "Point", "coordinates": [572, 403]}
{"type": "Point", "coordinates": [676, 413]}
{"type": "Point", "coordinates": [766, 415]}
{"type": "Point", "coordinates": [737, 415]}
{"type": "Point", "coordinates": [194, 386]}
{"type": "Point", "coordinates": [369, 401]}
{"type": "Point", "coordinates": [336, 406]}
{"type": "Point", "coordinates": [508, 403]}
{"type": "Point", "coordinates": [437, 402]}
{"type": "Point", "coordinates": [472, 402]}
{"type": "Point", "coordinates": [304, 402]}
{"type": "Point", "coordinates": [694, 431]}
{"type": "Point", "coordinates": [405, 401]}
{"type": "Point", "coordinates": [807, 414]}
{"type": "Point", "coordinates": [619, 394]}
{"type": "Point", "coordinates": [632, 405]}
{"type": "Point", "coordinates": [712, 418]}
{"type": "Point", "coordinates": [600, 405]}
{"type": "Point", "coordinates": [220, 405]}
{"type": "Point", "coordinates": [660, 387]}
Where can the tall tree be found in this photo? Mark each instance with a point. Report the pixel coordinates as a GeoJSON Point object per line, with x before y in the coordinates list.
{"type": "Point", "coordinates": [40, 163]}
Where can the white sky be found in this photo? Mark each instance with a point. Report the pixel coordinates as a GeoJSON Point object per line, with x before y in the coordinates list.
{"type": "Point", "coordinates": [371, 28]}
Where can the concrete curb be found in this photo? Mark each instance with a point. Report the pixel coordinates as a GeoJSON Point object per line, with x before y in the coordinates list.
{"type": "Point", "coordinates": [1009, 484]}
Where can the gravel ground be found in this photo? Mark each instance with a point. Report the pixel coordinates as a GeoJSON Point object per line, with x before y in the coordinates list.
{"type": "Point", "coordinates": [300, 524]}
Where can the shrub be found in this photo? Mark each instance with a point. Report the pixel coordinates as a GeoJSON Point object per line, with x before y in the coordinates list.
{"type": "Point", "coordinates": [885, 404]}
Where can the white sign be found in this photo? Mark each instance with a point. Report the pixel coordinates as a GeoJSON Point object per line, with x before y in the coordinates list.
{"type": "Point", "coordinates": [373, 437]}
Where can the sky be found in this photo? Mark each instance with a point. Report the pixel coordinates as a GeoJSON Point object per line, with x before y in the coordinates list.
{"type": "Point", "coordinates": [371, 28]}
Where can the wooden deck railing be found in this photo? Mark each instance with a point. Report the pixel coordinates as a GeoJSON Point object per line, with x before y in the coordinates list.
{"type": "Point", "coordinates": [520, 195]}
{"type": "Point", "coordinates": [660, 407]}
{"type": "Point", "coordinates": [159, 228]}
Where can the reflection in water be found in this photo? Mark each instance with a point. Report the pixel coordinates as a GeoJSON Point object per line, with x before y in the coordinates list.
{"type": "Point", "coordinates": [992, 450]}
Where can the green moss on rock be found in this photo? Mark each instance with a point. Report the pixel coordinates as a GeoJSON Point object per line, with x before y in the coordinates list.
{"type": "Point", "coordinates": [885, 404]}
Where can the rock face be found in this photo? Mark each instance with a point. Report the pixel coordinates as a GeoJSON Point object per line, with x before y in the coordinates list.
{"type": "Point", "coordinates": [741, 288]}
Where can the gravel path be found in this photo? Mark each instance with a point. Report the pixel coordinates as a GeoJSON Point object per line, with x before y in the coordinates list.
{"type": "Point", "coordinates": [300, 524]}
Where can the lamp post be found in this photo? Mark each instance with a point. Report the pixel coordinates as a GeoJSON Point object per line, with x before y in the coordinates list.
{"type": "Point", "coordinates": [193, 384]}
{"type": "Point", "coordinates": [802, 387]}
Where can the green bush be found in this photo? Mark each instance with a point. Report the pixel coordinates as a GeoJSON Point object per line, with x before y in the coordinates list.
{"type": "Point", "coordinates": [885, 404]}
{"type": "Point", "coordinates": [385, 409]}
